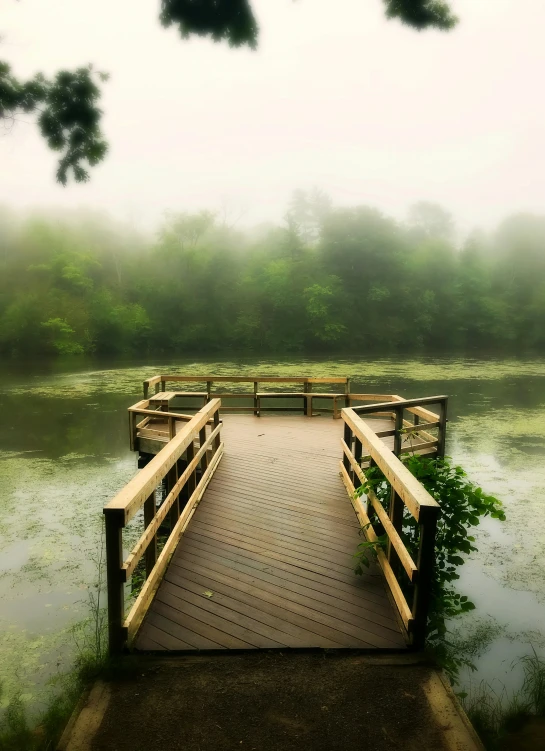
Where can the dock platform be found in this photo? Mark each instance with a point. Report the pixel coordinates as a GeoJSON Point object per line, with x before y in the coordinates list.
{"type": "Point", "coordinates": [267, 560]}
{"type": "Point", "coordinates": [251, 521]}
{"type": "Point", "coordinates": [245, 618]}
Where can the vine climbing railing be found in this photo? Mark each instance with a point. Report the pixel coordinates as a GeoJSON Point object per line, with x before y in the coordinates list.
{"type": "Point", "coordinates": [362, 447]}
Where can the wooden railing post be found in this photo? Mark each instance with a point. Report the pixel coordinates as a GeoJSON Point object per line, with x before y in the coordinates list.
{"type": "Point", "coordinates": [441, 440]}
{"type": "Point", "coordinates": [149, 514]}
{"type": "Point", "coordinates": [307, 389]}
{"type": "Point", "coordinates": [396, 517]}
{"type": "Point", "coordinates": [217, 439]}
{"type": "Point", "coordinates": [132, 430]}
{"type": "Point", "coordinates": [348, 441]}
{"type": "Point", "coordinates": [358, 452]}
{"type": "Point", "coordinates": [256, 403]}
{"type": "Point", "coordinates": [202, 441]}
{"type": "Point", "coordinates": [171, 478]}
{"type": "Point", "coordinates": [347, 393]}
{"type": "Point", "coordinates": [398, 427]}
{"type": "Point", "coordinates": [191, 480]}
{"type": "Point", "coordinates": [114, 522]}
{"type": "Point", "coordinates": [146, 389]}
{"type": "Point", "coordinates": [208, 391]}
{"type": "Point", "coordinates": [425, 565]}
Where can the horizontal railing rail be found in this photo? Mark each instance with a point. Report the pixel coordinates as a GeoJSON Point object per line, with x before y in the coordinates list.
{"type": "Point", "coordinates": [151, 415]}
{"type": "Point", "coordinates": [186, 470]}
{"type": "Point", "coordinates": [406, 493]}
{"type": "Point", "coordinates": [160, 381]}
{"type": "Point", "coordinates": [423, 420]}
{"type": "Point", "coordinates": [307, 395]}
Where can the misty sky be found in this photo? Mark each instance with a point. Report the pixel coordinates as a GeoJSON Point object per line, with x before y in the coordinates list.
{"type": "Point", "coordinates": [336, 96]}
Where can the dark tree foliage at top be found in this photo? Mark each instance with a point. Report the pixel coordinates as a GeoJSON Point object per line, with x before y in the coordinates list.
{"type": "Point", "coordinates": [69, 118]}
{"type": "Point", "coordinates": [223, 20]}
{"type": "Point", "coordinates": [421, 14]}
{"type": "Point", "coordinates": [67, 105]}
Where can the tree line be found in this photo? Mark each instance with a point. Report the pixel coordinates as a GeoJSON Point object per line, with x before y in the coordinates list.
{"type": "Point", "coordinates": [325, 280]}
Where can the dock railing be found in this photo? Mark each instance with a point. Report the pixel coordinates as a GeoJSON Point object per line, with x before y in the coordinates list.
{"type": "Point", "coordinates": [305, 393]}
{"type": "Point", "coordinates": [423, 420]}
{"type": "Point", "coordinates": [310, 389]}
{"type": "Point", "coordinates": [360, 442]}
{"type": "Point", "coordinates": [147, 428]}
{"type": "Point", "coordinates": [186, 469]}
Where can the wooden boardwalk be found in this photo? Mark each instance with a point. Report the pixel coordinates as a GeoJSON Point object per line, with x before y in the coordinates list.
{"type": "Point", "coordinates": [267, 559]}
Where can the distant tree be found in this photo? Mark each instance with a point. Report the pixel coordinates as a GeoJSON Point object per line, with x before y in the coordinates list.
{"type": "Point", "coordinates": [293, 236]}
{"type": "Point", "coordinates": [309, 211]}
{"type": "Point", "coordinates": [184, 230]}
{"type": "Point", "coordinates": [369, 284]}
{"type": "Point", "coordinates": [430, 220]}
{"type": "Point", "coordinates": [67, 105]}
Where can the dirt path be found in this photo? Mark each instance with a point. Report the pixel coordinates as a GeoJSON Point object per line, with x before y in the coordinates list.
{"type": "Point", "coordinates": [274, 702]}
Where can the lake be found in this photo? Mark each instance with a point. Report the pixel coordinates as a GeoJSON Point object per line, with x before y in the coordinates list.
{"type": "Point", "coordinates": [64, 453]}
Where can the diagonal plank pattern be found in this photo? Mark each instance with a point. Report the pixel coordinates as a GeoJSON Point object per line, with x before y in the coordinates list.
{"type": "Point", "coordinates": [267, 559]}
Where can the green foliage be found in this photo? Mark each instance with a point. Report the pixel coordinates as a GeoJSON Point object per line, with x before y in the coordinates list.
{"type": "Point", "coordinates": [60, 336]}
{"type": "Point", "coordinates": [326, 280]}
{"type": "Point", "coordinates": [368, 549]}
{"type": "Point", "coordinates": [462, 506]}
{"type": "Point", "coordinates": [534, 683]}
{"type": "Point", "coordinates": [499, 717]}
{"type": "Point", "coordinates": [230, 20]}
{"type": "Point", "coordinates": [421, 14]}
{"type": "Point", "coordinates": [15, 732]}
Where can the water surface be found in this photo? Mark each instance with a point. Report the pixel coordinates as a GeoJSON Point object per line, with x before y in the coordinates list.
{"type": "Point", "coordinates": [64, 453]}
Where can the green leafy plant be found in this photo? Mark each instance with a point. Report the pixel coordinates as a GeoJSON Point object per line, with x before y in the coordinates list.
{"type": "Point", "coordinates": [462, 506]}
{"type": "Point", "coordinates": [368, 546]}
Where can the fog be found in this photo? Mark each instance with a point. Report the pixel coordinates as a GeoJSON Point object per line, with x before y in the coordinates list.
{"type": "Point", "coordinates": [336, 96]}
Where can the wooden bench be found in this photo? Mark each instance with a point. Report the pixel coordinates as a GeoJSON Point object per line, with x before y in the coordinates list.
{"type": "Point", "coordinates": [162, 399]}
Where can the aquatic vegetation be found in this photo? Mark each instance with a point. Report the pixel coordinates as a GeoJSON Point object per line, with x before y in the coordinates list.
{"type": "Point", "coordinates": [499, 715]}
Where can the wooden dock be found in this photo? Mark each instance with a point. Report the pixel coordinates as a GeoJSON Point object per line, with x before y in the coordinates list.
{"type": "Point", "coordinates": [267, 560]}
{"type": "Point", "coordinates": [251, 545]}
{"type": "Point", "coordinates": [247, 525]}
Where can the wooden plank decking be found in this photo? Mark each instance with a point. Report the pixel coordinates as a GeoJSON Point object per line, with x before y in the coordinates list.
{"type": "Point", "coordinates": [266, 561]}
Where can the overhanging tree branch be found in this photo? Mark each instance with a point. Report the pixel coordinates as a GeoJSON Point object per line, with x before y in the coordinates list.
{"type": "Point", "coordinates": [69, 118]}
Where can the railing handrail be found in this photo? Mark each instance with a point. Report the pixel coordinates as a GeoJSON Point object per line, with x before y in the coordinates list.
{"type": "Point", "coordinates": [188, 477]}
{"type": "Point", "coordinates": [245, 379]}
{"type": "Point", "coordinates": [160, 381]}
{"type": "Point", "coordinates": [431, 419]}
{"type": "Point", "coordinates": [398, 402]}
{"type": "Point", "coordinates": [413, 493]}
{"type": "Point", "coordinates": [129, 500]}
{"type": "Point", "coordinates": [406, 491]}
